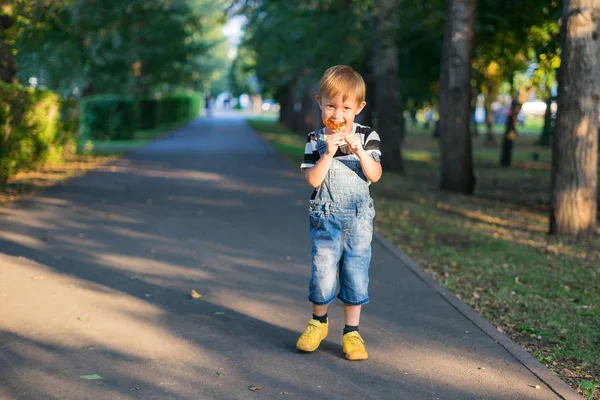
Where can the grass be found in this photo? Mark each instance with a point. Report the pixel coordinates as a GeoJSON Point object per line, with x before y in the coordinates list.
{"type": "Point", "coordinates": [491, 249]}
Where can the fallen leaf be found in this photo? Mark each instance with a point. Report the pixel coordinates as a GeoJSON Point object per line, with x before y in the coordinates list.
{"type": "Point", "coordinates": [476, 295]}
{"type": "Point", "coordinates": [568, 373]}
{"type": "Point", "coordinates": [135, 277]}
{"type": "Point", "coordinates": [91, 377]}
{"type": "Point", "coordinates": [195, 295]}
{"type": "Point", "coordinates": [500, 329]}
{"type": "Point", "coordinates": [538, 387]}
{"type": "Point", "coordinates": [220, 373]}
{"type": "Point", "coordinates": [481, 368]}
{"type": "Point", "coordinates": [517, 280]}
{"type": "Point", "coordinates": [283, 393]}
{"type": "Point", "coordinates": [254, 388]}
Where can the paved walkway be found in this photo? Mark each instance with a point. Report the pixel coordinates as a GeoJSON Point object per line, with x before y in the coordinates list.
{"type": "Point", "coordinates": [95, 276]}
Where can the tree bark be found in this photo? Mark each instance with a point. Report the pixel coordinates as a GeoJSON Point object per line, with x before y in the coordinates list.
{"type": "Point", "coordinates": [8, 67]}
{"type": "Point", "coordinates": [573, 205]}
{"type": "Point", "coordinates": [385, 75]}
{"type": "Point", "coordinates": [510, 133]}
{"type": "Point", "coordinates": [546, 137]}
{"type": "Point", "coordinates": [455, 107]}
{"type": "Point", "coordinates": [490, 141]}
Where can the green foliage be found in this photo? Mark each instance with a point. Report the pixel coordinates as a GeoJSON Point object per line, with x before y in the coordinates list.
{"type": "Point", "coordinates": [300, 39]}
{"type": "Point", "coordinates": [123, 47]}
{"type": "Point", "coordinates": [69, 125]}
{"type": "Point", "coordinates": [30, 133]}
{"type": "Point", "coordinates": [113, 117]}
{"type": "Point", "coordinates": [167, 110]}
{"type": "Point", "coordinates": [108, 117]}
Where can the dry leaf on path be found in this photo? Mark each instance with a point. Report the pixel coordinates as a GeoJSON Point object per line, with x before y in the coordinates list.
{"type": "Point", "coordinates": [254, 388]}
{"type": "Point", "coordinates": [283, 393]}
{"type": "Point", "coordinates": [195, 295]}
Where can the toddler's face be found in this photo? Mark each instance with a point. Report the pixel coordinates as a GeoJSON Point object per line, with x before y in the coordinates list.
{"type": "Point", "coordinates": [338, 110]}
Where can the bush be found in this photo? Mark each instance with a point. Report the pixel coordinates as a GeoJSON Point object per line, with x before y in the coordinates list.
{"type": "Point", "coordinates": [169, 109]}
{"type": "Point", "coordinates": [69, 125]}
{"type": "Point", "coordinates": [30, 133]}
{"type": "Point", "coordinates": [106, 117]}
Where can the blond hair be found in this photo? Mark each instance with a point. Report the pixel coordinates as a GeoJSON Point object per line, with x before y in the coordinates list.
{"type": "Point", "coordinates": [341, 79]}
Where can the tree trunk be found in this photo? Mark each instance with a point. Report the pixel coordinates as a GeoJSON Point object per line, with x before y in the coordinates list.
{"type": "Point", "coordinates": [455, 107]}
{"type": "Point", "coordinates": [288, 99]}
{"type": "Point", "coordinates": [385, 74]}
{"type": "Point", "coordinates": [489, 118]}
{"type": "Point", "coordinates": [575, 146]}
{"type": "Point", "coordinates": [546, 137]}
{"type": "Point", "coordinates": [8, 67]}
{"type": "Point", "coordinates": [308, 122]}
{"type": "Point", "coordinates": [366, 116]}
{"type": "Point", "coordinates": [510, 134]}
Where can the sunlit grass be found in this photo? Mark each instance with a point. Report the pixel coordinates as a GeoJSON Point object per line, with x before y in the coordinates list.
{"type": "Point", "coordinates": [491, 249]}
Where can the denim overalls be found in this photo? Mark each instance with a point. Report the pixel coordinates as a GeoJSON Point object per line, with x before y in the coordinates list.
{"type": "Point", "coordinates": [341, 230]}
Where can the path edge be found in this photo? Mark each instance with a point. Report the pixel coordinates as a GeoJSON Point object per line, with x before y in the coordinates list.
{"type": "Point", "coordinates": [552, 381]}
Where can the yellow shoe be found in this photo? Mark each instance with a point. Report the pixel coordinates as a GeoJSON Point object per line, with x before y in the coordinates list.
{"type": "Point", "coordinates": [313, 335]}
{"type": "Point", "coordinates": [354, 346]}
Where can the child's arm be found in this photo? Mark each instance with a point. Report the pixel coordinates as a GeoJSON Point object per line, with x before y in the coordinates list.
{"type": "Point", "coordinates": [371, 168]}
{"type": "Point", "coordinates": [316, 175]}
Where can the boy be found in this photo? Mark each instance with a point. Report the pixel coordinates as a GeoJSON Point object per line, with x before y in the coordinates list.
{"type": "Point", "coordinates": [340, 165]}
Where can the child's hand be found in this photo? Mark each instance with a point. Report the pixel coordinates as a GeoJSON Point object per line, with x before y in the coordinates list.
{"type": "Point", "coordinates": [333, 142]}
{"type": "Point", "coordinates": [354, 143]}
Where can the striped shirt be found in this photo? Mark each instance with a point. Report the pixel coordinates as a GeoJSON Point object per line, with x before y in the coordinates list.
{"type": "Point", "coordinates": [369, 138]}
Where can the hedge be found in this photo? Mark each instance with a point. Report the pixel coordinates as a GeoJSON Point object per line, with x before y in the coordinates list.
{"type": "Point", "coordinates": [105, 117]}
{"type": "Point", "coordinates": [31, 130]}
{"type": "Point", "coordinates": [169, 109]}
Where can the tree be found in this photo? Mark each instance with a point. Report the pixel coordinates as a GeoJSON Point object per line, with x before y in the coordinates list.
{"type": "Point", "coordinates": [385, 73]}
{"type": "Point", "coordinates": [116, 46]}
{"type": "Point", "coordinates": [8, 69]}
{"type": "Point", "coordinates": [455, 106]}
{"type": "Point", "coordinates": [573, 205]}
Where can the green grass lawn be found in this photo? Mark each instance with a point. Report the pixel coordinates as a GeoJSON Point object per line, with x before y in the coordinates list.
{"type": "Point", "coordinates": [491, 249]}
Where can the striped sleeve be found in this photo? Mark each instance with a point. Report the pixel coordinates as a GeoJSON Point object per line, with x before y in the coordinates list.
{"type": "Point", "coordinates": [373, 145]}
{"type": "Point", "coordinates": [311, 154]}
